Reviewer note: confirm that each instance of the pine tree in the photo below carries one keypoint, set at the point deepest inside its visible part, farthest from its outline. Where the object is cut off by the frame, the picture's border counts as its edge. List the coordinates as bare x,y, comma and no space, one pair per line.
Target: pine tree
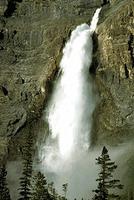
40,189
65,186
4,191
105,180
25,180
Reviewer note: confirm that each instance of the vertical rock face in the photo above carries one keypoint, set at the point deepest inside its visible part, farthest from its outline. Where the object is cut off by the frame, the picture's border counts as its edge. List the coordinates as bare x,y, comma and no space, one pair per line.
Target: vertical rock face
114,116
32,36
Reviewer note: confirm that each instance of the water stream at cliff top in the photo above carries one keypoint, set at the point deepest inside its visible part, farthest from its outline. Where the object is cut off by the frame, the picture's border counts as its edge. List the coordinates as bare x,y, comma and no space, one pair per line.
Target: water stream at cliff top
65,155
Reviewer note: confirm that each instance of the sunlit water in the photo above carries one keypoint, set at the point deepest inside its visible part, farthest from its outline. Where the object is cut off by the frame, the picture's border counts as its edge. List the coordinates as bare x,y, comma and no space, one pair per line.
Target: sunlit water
65,156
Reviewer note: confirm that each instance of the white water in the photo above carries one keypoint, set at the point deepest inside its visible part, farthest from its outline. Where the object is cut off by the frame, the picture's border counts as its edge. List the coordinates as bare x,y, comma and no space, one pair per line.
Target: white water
69,114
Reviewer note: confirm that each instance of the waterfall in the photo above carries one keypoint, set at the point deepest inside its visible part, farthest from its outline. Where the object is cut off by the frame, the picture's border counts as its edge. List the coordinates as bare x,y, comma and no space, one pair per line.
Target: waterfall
70,109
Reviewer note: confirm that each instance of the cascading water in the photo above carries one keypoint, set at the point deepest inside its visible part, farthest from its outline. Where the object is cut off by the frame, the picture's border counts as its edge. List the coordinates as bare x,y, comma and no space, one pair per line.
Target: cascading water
69,113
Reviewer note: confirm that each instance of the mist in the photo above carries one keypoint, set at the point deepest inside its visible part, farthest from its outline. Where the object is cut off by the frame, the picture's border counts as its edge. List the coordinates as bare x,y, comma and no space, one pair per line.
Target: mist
80,174
14,169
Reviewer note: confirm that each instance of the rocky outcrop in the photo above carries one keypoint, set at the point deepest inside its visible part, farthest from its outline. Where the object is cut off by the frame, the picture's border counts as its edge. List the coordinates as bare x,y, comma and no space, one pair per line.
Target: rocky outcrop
114,116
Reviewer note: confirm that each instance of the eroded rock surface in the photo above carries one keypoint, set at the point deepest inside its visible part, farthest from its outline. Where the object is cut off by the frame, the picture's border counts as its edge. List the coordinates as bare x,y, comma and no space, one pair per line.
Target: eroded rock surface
32,36
114,116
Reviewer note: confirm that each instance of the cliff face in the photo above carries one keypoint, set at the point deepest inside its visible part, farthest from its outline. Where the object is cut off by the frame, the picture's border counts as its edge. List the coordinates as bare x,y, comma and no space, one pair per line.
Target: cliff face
114,116
32,36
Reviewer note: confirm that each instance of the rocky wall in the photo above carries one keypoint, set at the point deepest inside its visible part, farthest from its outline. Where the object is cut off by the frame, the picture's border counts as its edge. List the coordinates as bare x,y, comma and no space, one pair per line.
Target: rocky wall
114,116
32,36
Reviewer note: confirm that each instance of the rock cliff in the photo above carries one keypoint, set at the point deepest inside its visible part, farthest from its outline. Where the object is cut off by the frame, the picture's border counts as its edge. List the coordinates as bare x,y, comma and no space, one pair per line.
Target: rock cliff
32,36
114,116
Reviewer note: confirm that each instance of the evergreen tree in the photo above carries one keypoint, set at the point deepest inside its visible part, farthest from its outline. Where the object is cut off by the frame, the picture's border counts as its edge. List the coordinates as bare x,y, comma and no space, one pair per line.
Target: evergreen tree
25,180
40,189
4,191
105,180
65,186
